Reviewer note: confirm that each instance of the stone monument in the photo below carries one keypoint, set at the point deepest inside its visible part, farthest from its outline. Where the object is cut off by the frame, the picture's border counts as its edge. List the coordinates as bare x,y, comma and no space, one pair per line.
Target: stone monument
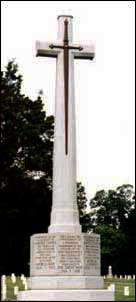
65,263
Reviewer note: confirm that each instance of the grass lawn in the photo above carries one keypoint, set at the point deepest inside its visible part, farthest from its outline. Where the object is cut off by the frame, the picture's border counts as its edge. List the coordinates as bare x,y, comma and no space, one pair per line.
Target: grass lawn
10,288
119,288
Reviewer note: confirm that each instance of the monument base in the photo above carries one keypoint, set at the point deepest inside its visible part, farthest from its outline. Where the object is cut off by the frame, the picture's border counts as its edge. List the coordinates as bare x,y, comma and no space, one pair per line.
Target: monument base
65,254
65,282
65,267
66,295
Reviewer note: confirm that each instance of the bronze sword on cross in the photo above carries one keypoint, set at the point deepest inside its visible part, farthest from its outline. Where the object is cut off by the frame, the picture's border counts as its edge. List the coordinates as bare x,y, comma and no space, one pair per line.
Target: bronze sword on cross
45,49
66,48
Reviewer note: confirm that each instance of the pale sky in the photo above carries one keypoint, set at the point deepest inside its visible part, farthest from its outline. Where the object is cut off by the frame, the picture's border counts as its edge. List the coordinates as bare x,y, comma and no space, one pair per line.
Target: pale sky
104,88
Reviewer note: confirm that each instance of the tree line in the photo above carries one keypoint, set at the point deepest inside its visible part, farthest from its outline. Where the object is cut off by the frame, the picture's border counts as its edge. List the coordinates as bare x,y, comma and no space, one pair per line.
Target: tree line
26,148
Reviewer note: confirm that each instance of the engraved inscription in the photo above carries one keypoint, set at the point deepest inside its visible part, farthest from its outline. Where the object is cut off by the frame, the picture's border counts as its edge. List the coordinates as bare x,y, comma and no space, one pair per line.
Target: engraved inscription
44,254
92,253
65,254
70,254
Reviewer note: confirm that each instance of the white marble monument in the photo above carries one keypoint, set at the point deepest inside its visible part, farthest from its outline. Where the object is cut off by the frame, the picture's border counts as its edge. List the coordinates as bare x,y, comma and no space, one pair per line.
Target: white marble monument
65,263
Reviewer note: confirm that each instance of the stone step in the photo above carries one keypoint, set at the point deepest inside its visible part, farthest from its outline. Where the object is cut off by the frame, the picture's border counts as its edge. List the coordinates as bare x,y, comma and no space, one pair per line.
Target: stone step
65,282
66,295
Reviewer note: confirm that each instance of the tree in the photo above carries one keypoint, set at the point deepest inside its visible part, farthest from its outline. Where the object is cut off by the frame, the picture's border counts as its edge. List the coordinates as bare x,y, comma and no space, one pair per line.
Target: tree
112,215
130,248
113,251
82,205
113,207
26,131
26,144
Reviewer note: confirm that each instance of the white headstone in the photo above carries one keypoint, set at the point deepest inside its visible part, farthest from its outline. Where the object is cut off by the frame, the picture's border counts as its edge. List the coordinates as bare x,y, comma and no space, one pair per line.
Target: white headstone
129,277
134,277
22,277
111,287
15,290
110,271
13,278
24,280
3,279
126,291
25,286
4,292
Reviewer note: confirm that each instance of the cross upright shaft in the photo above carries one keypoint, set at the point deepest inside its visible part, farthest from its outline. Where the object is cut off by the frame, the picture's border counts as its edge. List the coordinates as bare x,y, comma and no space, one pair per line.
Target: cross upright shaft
66,48
64,216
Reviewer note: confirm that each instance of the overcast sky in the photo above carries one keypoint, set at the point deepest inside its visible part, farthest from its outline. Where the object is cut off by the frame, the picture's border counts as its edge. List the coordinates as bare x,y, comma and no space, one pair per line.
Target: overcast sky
104,88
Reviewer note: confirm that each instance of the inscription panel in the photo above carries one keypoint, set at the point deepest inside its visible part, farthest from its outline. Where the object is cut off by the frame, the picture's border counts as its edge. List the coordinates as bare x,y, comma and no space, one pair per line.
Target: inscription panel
65,254
91,254
70,254
44,254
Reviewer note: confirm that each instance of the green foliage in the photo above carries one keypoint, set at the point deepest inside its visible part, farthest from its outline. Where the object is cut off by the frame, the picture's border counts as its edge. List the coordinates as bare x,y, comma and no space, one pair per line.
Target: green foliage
112,215
26,146
26,132
113,207
10,288
119,288
113,243
82,205
81,198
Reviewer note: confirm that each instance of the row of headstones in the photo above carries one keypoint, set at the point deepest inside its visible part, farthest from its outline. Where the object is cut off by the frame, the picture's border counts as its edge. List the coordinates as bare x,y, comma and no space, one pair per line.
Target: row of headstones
110,275
126,289
128,277
23,278
13,279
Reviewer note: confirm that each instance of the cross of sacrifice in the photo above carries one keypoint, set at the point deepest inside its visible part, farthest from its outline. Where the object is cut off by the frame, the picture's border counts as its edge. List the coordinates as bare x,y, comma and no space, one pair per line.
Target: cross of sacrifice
85,52
64,215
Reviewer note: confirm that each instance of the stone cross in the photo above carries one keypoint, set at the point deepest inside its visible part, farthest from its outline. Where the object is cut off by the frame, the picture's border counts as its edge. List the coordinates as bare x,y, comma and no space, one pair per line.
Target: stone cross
64,216
66,48
65,263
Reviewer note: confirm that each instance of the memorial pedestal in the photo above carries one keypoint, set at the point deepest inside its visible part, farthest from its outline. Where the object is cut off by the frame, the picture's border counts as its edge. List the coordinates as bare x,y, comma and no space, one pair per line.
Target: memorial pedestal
65,267
65,254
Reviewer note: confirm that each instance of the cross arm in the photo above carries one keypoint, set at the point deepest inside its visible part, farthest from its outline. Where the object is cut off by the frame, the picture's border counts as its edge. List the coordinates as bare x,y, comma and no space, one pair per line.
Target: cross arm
87,52
43,50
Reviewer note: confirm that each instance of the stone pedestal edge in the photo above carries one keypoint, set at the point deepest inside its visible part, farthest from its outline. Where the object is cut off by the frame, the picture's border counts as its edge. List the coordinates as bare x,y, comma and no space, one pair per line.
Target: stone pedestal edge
65,282
66,295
